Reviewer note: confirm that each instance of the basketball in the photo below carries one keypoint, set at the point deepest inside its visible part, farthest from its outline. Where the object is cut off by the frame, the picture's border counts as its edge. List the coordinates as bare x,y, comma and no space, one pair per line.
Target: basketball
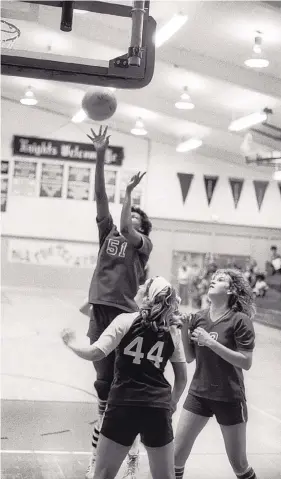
99,104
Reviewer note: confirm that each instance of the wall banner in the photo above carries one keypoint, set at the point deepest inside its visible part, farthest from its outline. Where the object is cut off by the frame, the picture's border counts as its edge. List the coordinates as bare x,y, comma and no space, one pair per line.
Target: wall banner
236,185
260,189
63,150
185,180
210,184
51,253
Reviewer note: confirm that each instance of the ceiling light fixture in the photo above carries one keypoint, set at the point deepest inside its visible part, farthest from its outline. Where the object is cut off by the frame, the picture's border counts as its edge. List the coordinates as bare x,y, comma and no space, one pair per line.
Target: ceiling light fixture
139,129
185,102
189,145
169,29
29,98
79,116
249,120
257,60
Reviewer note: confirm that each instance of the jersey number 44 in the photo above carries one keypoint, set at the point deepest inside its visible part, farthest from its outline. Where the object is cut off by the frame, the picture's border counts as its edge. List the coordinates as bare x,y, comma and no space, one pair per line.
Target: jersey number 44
134,349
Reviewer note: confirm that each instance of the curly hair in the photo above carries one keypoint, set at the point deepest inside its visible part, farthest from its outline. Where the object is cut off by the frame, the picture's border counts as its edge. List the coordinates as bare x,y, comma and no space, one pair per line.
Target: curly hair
242,297
161,313
146,224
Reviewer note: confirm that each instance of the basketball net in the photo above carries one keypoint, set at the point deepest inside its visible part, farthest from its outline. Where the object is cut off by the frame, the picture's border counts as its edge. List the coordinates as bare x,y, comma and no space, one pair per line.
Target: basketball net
9,34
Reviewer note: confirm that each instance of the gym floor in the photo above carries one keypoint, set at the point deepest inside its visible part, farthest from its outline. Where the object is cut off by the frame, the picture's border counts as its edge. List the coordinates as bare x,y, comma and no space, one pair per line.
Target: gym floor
49,406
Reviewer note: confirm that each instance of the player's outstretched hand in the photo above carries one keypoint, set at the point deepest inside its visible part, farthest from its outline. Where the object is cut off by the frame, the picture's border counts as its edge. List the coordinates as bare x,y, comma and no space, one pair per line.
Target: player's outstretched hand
135,180
100,140
68,335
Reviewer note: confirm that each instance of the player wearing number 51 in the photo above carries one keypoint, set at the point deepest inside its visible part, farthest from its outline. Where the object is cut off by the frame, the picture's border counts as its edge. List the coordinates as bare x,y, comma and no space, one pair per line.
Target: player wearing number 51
120,266
140,400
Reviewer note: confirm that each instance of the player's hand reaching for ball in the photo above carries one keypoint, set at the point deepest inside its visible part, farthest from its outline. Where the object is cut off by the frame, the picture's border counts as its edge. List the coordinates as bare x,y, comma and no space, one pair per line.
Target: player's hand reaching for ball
68,336
201,337
100,140
135,180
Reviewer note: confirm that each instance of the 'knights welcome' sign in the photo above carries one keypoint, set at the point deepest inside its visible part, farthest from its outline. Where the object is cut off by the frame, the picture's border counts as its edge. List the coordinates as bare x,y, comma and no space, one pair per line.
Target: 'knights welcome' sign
63,150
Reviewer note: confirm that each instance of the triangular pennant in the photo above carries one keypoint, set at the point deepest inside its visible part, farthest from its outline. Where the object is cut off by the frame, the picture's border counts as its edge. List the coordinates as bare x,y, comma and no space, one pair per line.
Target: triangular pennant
279,186
236,185
185,180
210,184
260,189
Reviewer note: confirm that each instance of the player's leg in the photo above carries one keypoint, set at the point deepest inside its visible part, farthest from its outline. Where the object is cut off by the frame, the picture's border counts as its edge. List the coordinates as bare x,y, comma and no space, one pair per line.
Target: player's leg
115,440
161,461
194,417
101,317
232,418
133,460
157,436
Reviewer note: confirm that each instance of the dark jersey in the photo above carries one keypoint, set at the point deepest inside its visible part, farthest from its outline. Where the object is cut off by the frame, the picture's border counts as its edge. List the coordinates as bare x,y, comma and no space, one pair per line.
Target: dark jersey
140,362
120,266
215,378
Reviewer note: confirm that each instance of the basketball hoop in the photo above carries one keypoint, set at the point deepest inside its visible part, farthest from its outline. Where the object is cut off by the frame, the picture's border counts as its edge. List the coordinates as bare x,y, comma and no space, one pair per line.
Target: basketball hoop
9,34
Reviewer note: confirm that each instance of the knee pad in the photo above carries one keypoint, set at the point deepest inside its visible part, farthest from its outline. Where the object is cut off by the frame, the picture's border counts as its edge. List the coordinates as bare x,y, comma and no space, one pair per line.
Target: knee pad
102,388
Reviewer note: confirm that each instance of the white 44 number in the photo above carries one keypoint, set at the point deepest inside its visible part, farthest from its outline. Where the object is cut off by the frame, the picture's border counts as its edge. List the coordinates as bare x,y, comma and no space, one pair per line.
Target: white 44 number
154,354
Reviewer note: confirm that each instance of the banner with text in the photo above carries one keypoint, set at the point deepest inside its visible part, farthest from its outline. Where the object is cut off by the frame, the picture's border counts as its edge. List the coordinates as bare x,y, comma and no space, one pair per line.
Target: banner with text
63,150
51,180
78,185
210,184
24,178
51,253
260,189
185,180
236,185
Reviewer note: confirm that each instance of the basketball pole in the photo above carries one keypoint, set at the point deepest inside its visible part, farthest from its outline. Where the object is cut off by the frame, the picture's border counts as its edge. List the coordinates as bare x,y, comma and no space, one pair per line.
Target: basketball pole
135,49
66,16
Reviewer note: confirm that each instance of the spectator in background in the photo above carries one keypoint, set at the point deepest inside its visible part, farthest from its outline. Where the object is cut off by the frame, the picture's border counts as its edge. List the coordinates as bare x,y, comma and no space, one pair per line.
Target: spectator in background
260,287
183,277
275,260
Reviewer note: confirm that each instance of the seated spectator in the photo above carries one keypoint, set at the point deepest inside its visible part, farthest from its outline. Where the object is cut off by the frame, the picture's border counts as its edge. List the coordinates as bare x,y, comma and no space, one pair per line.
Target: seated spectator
275,260
260,287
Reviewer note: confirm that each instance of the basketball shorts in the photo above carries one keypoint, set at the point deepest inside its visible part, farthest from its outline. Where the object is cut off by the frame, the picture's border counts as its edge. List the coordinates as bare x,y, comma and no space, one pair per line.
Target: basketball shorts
122,424
226,413
100,317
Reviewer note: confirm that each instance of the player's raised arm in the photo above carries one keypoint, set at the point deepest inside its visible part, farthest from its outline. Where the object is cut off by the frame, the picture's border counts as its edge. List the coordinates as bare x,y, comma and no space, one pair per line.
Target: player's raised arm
100,142
126,225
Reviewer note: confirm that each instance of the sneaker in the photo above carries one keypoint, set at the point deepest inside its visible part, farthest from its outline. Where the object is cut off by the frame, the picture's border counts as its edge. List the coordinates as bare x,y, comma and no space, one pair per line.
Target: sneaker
91,468
132,467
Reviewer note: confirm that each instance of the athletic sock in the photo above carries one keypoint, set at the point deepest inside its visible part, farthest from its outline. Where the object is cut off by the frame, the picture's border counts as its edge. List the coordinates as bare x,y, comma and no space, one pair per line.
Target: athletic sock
179,471
248,474
95,438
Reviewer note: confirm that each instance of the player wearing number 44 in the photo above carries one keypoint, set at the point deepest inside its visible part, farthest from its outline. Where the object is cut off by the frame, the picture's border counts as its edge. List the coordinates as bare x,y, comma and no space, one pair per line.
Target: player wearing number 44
120,266
140,399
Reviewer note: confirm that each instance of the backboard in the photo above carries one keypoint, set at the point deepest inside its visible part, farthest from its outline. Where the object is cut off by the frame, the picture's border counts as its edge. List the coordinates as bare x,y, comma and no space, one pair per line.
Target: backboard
71,41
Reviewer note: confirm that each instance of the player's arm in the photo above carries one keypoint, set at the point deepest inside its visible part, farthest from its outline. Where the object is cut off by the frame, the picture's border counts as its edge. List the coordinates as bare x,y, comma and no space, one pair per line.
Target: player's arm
188,345
179,367
100,142
244,337
180,382
107,342
126,225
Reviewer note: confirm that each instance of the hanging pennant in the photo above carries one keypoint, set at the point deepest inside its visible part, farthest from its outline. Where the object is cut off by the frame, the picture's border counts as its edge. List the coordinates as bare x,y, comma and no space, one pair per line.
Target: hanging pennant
260,189
236,185
185,180
210,184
